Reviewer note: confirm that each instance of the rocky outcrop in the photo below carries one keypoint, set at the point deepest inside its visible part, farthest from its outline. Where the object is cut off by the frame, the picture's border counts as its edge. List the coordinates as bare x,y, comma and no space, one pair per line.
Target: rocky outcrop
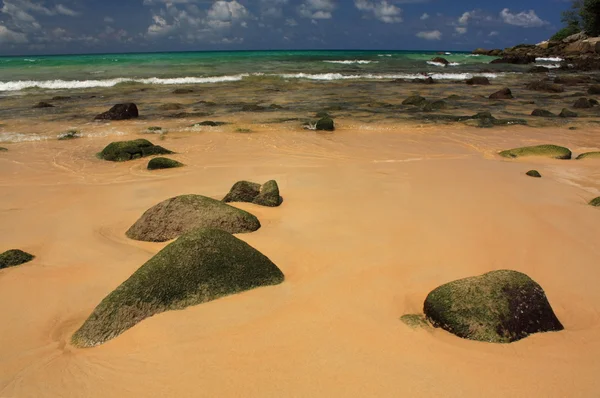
582,103
545,86
325,124
515,59
120,112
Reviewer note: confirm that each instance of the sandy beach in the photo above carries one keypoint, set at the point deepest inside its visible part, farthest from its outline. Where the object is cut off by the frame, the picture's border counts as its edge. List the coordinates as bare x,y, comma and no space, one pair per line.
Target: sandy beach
375,216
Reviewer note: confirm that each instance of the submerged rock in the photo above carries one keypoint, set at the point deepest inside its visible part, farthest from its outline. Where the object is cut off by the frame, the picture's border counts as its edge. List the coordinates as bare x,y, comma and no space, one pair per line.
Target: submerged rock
567,113
322,114
170,107
14,257
43,104
589,155
163,163
201,266
440,60
121,151
414,321
549,151
546,86
571,80
176,216
414,100
534,173
478,80
325,124
69,135
538,69
430,106
253,108
582,103
120,112
246,191
595,202
2,149
498,307
505,93
515,59
542,113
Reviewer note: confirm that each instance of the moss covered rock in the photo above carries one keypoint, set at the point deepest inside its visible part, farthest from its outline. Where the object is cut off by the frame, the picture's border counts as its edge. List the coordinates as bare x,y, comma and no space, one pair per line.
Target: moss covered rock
246,191
201,266
325,124
2,149
12,258
534,173
595,202
414,100
176,216
550,151
478,80
322,114
430,106
163,163
546,86
497,307
542,113
582,103
269,195
505,93
589,155
567,113
121,151
414,321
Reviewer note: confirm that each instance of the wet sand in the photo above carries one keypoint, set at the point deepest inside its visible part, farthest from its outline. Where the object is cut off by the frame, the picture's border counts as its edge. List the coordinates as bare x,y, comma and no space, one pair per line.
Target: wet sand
375,216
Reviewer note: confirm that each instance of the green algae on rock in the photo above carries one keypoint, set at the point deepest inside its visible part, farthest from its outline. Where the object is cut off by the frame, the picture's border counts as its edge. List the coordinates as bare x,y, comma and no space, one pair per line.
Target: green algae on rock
414,321
542,113
209,123
325,124
589,155
120,151
201,266
595,202
163,163
269,195
498,307
550,151
175,216
14,257
534,173
2,149
251,192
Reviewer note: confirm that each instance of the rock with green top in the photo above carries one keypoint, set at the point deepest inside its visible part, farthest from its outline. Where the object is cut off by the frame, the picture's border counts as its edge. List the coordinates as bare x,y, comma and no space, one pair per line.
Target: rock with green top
176,216
14,257
69,135
595,202
549,151
201,266
2,149
534,173
269,195
251,192
416,100
497,307
121,151
325,124
589,155
567,113
414,321
155,128
163,163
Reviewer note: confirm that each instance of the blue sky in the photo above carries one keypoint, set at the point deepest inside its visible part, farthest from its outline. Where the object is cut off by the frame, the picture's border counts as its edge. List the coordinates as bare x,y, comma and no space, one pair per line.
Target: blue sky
73,26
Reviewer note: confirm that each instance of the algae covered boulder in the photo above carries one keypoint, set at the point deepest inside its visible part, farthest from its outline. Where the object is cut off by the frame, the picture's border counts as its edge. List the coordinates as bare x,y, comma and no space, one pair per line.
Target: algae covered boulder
534,173
175,216
201,266
498,307
325,124
69,135
589,155
121,151
120,112
269,195
582,103
251,192
549,151
595,202
14,257
163,163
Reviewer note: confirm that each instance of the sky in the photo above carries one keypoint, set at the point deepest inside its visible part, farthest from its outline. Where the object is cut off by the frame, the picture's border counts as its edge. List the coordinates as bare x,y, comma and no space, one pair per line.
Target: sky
103,26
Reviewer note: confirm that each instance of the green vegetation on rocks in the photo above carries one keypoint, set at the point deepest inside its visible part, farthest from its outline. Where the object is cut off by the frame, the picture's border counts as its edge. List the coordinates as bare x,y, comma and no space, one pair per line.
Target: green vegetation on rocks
415,321
589,155
175,216
201,266
534,173
549,151
250,192
163,163
325,124
14,257
121,151
269,195
498,307
2,149
595,202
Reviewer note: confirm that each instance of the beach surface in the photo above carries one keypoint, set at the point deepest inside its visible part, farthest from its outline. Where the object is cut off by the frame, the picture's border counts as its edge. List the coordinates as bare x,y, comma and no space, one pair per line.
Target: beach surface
375,216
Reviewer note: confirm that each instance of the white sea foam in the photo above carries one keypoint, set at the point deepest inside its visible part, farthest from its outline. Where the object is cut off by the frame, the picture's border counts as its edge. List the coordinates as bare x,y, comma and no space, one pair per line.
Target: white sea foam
552,66
549,59
356,61
339,76
384,55
20,137
441,64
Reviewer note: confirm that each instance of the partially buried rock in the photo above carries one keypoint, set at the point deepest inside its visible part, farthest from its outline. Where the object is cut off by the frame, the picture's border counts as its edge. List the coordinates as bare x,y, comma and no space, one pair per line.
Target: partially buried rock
546,86
414,100
12,258
595,202
594,90
163,163
246,191
325,124
498,307
571,80
478,80
120,112
534,173
549,151
269,195
582,103
201,266
589,155
542,113
253,108
43,105
208,123
2,149
567,113
121,151
176,216
505,93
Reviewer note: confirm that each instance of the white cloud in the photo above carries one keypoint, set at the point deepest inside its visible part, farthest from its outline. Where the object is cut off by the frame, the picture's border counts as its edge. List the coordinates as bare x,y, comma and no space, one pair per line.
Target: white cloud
430,35
381,10
493,33
291,22
317,9
523,19
464,19
109,20
64,10
9,36
272,8
424,17
461,30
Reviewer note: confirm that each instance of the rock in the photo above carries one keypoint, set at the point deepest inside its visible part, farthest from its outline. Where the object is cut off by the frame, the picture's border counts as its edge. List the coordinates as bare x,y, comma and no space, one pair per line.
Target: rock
61,98
515,59
414,321
180,91
176,216
163,163
253,108
325,124
269,195
69,135
549,151
121,151
595,202
430,106
43,105
427,80
209,123
440,60
250,192
594,90
2,149
155,129
480,51
567,113
505,93
582,46
575,37
414,100
542,113
14,257
582,103
498,307
275,107
171,107
538,69
120,112
589,155
571,80
478,80
534,173
201,266
322,114
543,85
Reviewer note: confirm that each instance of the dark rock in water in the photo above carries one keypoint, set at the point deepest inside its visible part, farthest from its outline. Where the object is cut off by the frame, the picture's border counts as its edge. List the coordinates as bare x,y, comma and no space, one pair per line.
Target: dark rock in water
515,59
206,103
201,266
184,115
593,101
414,100
176,216
430,106
542,113
478,80
69,135
582,103
2,149
505,93
534,173
546,86
183,91
275,107
269,195
322,114
571,80
594,89
209,123
538,69
170,107
253,108
325,124
43,105
120,112
548,151
427,80
61,98
121,151
440,60
453,97
498,307
12,258
595,202
567,113
163,163
250,192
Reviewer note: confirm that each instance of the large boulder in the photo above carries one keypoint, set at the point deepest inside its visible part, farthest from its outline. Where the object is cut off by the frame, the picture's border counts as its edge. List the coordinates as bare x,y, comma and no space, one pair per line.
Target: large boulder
575,37
497,307
549,151
175,216
121,151
505,93
201,266
120,112
163,163
595,202
582,46
14,257
478,80
542,113
480,51
251,192
594,89
269,195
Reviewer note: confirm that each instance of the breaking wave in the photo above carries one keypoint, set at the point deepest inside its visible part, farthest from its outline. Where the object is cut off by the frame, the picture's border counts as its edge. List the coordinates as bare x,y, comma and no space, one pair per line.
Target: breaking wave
549,59
356,61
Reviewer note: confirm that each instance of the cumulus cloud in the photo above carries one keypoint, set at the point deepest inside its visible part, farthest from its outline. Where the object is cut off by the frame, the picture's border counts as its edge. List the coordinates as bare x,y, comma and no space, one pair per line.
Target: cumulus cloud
493,33
11,37
430,35
381,10
317,9
461,30
424,17
272,8
525,19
